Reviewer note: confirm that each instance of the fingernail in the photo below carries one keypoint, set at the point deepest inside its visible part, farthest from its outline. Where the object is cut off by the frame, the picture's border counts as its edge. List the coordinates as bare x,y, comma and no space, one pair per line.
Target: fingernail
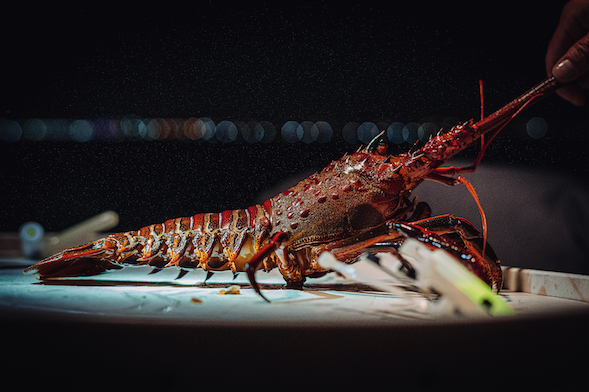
564,71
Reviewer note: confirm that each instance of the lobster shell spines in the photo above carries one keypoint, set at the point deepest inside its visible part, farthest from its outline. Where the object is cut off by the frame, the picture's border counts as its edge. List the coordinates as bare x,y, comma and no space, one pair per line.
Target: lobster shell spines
350,194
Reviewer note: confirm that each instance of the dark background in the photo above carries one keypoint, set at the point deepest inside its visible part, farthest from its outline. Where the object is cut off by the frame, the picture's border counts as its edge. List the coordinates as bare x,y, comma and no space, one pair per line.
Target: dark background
334,62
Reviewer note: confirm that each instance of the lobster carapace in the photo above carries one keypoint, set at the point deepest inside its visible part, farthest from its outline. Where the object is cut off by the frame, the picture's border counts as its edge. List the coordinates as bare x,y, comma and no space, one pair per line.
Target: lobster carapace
358,203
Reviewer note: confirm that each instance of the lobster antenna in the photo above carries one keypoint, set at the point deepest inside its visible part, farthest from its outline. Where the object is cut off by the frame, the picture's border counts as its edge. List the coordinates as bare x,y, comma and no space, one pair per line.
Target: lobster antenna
482,111
482,99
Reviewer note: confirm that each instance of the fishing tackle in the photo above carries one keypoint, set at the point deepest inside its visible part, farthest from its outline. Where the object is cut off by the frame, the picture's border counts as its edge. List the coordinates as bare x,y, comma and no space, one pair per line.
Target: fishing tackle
359,203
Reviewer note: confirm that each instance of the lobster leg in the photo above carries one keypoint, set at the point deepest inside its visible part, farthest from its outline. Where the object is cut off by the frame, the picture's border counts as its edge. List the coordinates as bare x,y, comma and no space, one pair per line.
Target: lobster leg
461,180
460,238
260,256
457,236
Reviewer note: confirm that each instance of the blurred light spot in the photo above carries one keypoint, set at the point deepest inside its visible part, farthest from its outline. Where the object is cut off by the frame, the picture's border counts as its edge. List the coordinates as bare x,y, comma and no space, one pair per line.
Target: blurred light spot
425,130
537,127
226,131
292,131
165,128
208,129
324,131
269,131
56,129
252,132
10,131
410,132
173,125
395,132
106,129
189,128
242,128
149,129
81,130
350,132
310,132
130,127
199,128
367,131
34,129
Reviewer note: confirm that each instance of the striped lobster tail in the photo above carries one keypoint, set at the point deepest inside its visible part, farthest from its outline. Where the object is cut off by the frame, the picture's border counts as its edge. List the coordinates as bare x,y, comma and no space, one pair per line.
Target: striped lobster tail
211,241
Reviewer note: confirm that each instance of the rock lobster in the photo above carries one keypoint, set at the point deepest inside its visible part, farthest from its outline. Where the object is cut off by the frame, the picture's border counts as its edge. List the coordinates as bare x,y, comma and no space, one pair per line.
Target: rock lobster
356,204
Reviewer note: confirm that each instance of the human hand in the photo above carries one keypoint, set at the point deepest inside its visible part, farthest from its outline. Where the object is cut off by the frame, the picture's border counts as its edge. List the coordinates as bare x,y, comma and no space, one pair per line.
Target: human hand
567,57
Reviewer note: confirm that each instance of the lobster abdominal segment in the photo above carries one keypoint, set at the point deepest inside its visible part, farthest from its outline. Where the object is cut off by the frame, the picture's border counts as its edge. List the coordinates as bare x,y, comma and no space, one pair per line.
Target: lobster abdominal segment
211,241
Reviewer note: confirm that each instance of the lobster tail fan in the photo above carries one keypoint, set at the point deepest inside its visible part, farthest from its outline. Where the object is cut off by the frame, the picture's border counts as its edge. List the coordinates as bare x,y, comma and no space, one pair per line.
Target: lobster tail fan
79,261
83,266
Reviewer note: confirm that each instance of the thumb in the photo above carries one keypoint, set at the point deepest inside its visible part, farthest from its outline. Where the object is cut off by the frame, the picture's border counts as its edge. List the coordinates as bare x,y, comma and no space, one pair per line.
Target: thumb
574,63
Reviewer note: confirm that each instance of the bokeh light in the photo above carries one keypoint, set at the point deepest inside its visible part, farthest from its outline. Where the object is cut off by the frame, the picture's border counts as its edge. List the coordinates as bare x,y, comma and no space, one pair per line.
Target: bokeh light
425,130
189,128
134,128
350,132
56,129
34,129
226,131
269,131
310,132
367,131
10,131
106,129
81,130
324,131
149,129
292,131
208,128
395,132
166,128
130,127
537,127
199,128
252,132
410,134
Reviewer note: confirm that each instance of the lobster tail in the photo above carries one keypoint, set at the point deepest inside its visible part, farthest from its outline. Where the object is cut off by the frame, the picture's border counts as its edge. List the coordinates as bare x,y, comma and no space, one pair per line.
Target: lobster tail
211,241
84,260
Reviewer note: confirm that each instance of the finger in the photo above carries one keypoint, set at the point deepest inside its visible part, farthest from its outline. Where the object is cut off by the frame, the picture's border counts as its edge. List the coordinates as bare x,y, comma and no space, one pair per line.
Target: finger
572,93
583,81
572,26
574,63
560,42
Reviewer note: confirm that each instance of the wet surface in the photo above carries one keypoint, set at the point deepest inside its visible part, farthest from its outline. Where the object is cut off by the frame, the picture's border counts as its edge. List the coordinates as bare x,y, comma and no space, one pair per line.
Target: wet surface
131,294
329,325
